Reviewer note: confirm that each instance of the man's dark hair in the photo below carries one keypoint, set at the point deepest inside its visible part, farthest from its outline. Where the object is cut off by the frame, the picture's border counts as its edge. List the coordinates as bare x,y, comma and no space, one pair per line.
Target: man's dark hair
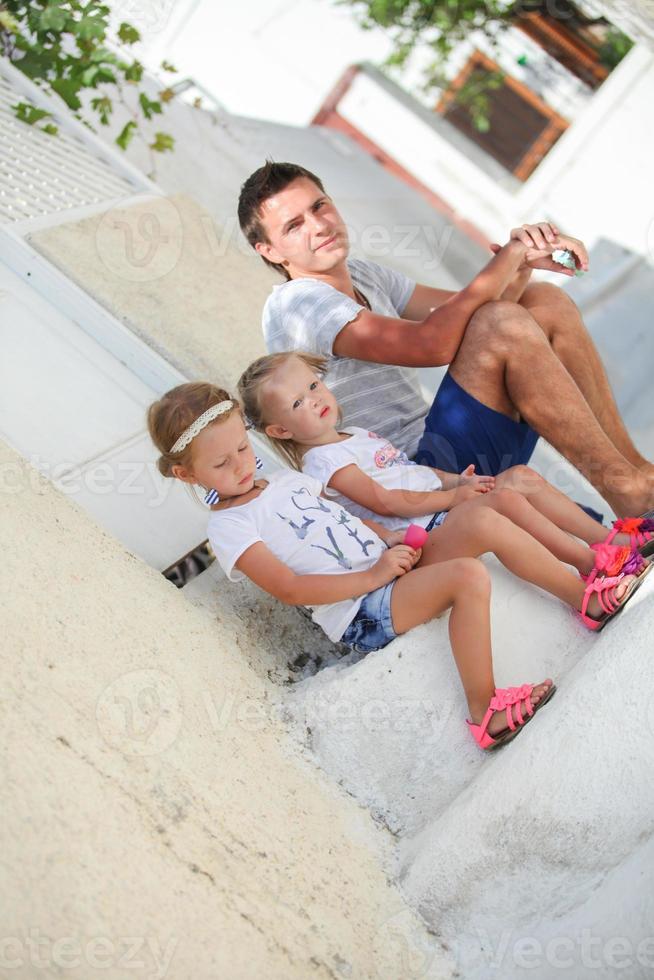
262,184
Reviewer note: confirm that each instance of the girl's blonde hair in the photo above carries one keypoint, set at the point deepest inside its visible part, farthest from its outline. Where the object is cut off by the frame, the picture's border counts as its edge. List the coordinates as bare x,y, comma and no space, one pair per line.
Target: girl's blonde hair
249,388
178,409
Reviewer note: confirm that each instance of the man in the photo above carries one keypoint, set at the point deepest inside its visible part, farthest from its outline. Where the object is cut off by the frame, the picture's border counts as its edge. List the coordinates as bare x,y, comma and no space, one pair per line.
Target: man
521,363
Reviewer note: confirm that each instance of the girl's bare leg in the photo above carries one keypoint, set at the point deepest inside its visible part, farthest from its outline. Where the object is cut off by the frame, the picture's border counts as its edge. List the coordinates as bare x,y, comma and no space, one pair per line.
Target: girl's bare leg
471,530
553,504
464,585
519,509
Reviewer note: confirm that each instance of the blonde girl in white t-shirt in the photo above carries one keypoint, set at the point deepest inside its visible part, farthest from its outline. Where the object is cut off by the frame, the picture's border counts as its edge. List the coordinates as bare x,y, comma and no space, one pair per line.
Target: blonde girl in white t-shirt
527,529
307,550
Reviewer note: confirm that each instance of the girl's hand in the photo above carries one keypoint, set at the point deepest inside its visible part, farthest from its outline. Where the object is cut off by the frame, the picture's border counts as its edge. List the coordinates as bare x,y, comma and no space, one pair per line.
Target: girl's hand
464,493
470,479
398,560
395,537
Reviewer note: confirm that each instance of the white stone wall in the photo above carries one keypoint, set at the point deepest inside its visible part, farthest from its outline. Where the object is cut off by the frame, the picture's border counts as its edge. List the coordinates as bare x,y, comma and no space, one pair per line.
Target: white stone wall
167,271
156,821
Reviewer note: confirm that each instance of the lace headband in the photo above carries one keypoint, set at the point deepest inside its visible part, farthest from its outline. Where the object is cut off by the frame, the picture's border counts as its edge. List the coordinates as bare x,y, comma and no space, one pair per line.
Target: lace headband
195,428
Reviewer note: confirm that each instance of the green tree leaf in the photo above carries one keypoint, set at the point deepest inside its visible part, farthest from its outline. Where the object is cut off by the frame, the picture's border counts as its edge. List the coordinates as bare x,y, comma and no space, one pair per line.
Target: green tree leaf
90,28
104,107
28,113
67,89
128,34
105,75
35,64
149,107
62,46
53,18
133,72
162,142
9,23
124,138
89,76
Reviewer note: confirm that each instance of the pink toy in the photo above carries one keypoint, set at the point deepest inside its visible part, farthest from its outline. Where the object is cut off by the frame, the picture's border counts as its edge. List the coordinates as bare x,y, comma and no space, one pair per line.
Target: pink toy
415,536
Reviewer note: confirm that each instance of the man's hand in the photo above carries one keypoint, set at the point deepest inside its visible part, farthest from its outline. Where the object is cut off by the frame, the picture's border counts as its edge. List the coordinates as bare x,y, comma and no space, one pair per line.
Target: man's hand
480,483
541,240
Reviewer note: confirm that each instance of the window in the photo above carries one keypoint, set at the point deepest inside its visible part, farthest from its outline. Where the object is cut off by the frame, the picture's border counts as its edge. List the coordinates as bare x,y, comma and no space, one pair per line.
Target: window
522,127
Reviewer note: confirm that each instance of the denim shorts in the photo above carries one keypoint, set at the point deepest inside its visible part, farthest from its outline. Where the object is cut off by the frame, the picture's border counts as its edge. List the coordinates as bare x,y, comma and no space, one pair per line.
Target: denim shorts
372,627
437,519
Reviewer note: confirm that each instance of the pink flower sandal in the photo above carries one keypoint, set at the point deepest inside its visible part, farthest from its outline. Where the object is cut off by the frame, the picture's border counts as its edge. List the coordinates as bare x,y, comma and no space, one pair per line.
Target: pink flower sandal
612,559
610,603
505,698
640,531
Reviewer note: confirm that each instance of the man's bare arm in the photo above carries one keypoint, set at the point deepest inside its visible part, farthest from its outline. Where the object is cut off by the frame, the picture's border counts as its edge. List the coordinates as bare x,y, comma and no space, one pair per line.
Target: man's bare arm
434,339
423,300
515,289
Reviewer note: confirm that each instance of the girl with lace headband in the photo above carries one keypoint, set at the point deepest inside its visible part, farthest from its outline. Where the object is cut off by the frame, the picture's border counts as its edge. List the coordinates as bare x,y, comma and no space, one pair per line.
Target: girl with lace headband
304,549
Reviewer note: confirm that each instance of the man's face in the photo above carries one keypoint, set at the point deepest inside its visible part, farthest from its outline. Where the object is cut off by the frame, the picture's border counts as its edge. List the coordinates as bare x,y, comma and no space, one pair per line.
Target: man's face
305,231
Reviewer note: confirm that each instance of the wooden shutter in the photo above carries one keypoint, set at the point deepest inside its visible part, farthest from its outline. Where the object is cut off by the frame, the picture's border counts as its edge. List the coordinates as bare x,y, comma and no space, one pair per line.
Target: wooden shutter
522,127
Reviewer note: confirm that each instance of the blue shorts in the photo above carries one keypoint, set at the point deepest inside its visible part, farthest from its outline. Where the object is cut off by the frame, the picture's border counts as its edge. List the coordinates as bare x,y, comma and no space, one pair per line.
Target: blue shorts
372,627
460,430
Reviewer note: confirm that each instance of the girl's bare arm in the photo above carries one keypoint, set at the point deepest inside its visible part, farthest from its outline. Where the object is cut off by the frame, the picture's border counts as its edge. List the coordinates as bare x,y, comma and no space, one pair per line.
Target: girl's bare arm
356,485
278,580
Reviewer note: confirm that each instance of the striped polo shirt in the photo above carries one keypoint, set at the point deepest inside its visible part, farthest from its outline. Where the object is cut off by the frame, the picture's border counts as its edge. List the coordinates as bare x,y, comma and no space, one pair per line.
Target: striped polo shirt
307,314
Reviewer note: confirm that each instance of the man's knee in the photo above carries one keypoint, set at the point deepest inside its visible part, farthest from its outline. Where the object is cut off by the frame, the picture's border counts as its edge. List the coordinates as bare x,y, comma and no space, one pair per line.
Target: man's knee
553,311
500,324
546,294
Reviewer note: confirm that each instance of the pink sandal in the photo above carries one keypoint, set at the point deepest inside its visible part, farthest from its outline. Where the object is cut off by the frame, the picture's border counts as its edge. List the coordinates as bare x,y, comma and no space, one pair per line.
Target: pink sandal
612,559
606,591
640,531
505,698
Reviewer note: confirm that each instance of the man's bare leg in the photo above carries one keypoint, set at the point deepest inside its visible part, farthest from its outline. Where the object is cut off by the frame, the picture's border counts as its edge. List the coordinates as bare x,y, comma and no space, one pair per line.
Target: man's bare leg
561,322
506,362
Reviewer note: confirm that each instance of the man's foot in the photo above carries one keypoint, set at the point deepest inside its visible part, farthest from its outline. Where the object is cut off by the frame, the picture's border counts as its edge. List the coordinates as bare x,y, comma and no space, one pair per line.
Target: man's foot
640,497
498,723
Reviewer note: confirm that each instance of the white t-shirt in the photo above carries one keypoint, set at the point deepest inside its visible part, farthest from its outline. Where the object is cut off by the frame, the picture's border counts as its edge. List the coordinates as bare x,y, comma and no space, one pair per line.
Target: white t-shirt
380,460
311,535
307,314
